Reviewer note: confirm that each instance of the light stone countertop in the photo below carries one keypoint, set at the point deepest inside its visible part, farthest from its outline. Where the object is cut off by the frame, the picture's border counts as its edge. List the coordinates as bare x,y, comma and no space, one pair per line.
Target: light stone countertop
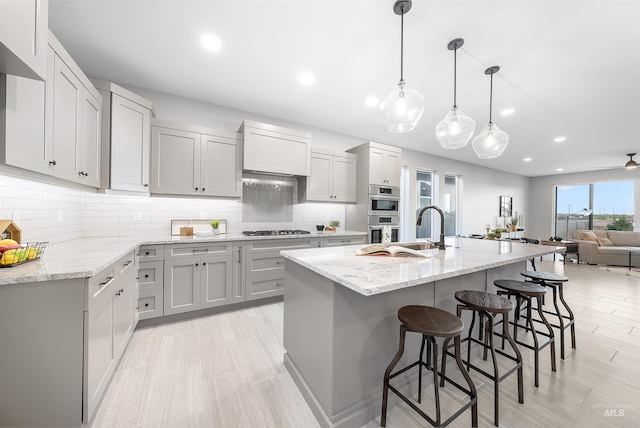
86,257
370,275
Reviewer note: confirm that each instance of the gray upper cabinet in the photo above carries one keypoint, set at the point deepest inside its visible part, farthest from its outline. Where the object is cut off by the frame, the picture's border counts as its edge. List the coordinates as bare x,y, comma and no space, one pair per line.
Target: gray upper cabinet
332,179
126,138
379,162
22,118
194,160
23,38
52,127
275,150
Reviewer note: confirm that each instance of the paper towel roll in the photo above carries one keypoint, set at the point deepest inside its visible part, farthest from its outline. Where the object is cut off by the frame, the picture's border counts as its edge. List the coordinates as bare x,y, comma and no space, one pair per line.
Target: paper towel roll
386,234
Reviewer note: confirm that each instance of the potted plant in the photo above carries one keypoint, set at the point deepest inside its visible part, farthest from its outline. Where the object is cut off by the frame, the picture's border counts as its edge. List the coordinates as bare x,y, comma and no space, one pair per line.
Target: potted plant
491,235
514,222
498,232
214,226
333,225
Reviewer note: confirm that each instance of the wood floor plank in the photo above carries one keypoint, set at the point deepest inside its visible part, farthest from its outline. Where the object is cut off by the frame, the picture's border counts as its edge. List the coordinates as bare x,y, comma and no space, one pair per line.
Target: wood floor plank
227,370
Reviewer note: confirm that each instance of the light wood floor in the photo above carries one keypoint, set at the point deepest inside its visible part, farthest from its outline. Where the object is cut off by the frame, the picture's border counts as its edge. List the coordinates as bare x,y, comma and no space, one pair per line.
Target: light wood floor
227,370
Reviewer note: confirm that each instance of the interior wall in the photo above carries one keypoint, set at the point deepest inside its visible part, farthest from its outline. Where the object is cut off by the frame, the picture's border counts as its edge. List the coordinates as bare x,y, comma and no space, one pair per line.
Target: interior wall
482,188
542,199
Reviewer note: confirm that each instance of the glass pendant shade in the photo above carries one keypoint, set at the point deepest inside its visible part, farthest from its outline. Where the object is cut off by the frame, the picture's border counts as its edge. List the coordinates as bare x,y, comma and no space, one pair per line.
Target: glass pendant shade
455,130
491,142
402,109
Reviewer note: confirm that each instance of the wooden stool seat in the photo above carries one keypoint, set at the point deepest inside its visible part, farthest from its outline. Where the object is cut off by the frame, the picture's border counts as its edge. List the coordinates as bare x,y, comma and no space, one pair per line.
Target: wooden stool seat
529,289
430,321
544,276
481,301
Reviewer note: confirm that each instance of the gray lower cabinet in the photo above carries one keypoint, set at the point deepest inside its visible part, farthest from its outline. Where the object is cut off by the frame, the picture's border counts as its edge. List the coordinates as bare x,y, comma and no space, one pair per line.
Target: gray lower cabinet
264,266
150,281
197,276
109,320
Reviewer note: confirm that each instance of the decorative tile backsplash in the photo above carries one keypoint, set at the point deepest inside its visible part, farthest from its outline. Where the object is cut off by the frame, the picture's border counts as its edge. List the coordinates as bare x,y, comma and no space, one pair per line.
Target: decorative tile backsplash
53,213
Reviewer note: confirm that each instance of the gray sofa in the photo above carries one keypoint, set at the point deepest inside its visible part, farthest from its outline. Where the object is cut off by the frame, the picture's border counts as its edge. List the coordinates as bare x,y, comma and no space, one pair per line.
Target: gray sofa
609,247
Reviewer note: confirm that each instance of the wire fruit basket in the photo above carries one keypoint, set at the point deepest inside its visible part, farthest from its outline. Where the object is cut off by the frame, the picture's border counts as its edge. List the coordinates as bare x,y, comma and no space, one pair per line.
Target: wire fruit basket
22,253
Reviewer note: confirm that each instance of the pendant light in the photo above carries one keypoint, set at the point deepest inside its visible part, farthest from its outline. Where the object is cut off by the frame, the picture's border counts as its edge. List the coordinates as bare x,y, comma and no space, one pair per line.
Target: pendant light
491,142
631,164
403,107
456,129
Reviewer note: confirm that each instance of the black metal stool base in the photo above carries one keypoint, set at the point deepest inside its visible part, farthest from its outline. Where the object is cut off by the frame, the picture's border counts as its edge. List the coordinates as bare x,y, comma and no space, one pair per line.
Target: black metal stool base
488,345
432,365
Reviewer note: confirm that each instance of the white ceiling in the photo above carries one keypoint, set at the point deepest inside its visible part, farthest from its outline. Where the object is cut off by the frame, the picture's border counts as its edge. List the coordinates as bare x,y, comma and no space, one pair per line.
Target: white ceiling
568,67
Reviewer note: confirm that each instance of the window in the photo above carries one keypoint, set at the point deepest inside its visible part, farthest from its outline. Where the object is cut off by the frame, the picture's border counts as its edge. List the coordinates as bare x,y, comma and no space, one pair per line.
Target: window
447,199
594,206
425,198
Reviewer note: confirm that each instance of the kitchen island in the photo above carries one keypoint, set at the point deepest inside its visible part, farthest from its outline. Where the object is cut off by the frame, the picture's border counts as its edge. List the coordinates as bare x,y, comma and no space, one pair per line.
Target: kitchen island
340,314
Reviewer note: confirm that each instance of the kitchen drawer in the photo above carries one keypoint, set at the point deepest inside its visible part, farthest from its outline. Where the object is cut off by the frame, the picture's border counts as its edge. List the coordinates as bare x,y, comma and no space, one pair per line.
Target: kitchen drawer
150,275
278,244
97,284
265,262
125,264
260,288
334,242
148,253
190,250
150,304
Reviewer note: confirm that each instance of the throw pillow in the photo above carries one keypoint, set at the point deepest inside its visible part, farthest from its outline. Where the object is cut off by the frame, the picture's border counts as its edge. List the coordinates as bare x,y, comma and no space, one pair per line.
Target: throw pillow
605,242
588,236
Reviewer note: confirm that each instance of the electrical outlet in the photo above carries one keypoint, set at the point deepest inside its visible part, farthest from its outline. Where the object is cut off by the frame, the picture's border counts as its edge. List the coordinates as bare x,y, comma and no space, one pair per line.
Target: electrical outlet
60,216
137,215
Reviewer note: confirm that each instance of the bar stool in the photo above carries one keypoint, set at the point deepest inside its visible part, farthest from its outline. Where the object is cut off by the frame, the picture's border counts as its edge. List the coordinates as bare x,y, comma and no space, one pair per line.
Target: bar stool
527,291
488,305
555,281
431,323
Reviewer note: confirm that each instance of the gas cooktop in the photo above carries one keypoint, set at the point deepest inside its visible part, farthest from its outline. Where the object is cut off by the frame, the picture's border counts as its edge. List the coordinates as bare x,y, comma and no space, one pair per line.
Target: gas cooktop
274,232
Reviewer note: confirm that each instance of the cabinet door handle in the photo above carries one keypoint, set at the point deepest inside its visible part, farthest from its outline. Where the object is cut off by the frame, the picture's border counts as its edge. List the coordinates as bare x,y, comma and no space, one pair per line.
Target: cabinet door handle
203,189
197,264
145,185
127,263
196,188
239,255
53,162
204,264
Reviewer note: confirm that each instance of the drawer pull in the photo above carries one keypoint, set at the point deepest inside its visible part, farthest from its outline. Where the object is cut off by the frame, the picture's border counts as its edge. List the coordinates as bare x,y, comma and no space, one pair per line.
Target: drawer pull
279,284
200,250
108,280
280,262
127,263
146,276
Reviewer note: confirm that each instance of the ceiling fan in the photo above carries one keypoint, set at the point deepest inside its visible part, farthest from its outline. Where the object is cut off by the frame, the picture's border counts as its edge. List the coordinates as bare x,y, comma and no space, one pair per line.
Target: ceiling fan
631,164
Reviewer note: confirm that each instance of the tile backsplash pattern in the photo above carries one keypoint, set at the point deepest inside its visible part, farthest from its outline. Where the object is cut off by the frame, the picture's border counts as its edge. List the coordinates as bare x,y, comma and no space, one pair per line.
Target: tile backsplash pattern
267,202
47,212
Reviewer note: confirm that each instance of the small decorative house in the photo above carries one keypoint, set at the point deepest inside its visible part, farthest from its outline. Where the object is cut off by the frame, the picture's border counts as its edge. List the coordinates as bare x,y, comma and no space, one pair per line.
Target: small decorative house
10,230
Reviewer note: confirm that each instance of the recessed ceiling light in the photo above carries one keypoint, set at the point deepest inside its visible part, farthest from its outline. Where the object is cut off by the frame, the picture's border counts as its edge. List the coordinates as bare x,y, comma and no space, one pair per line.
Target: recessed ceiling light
559,169
211,42
306,78
527,159
507,112
372,101
559,139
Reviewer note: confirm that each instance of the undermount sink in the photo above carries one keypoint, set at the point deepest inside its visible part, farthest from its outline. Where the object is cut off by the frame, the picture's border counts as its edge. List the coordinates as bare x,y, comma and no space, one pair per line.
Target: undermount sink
420,245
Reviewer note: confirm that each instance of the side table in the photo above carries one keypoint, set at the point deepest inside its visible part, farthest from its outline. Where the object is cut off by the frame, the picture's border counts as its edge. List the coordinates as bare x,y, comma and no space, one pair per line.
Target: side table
571,247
